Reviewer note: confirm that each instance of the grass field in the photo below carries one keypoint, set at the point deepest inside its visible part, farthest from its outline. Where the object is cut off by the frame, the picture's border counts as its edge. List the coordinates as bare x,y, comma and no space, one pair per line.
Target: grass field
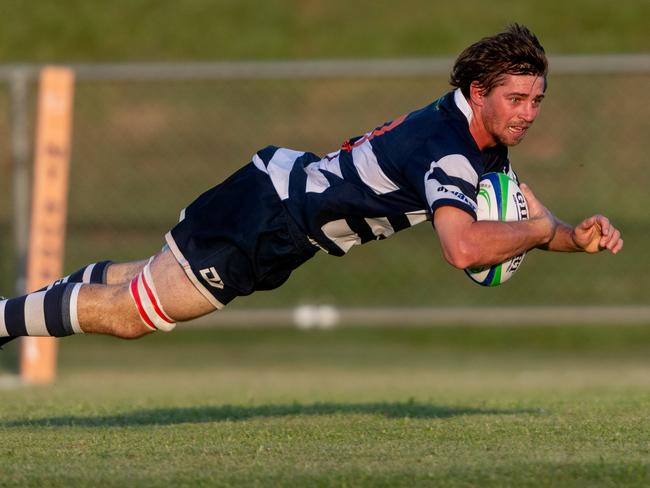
68,30
456,406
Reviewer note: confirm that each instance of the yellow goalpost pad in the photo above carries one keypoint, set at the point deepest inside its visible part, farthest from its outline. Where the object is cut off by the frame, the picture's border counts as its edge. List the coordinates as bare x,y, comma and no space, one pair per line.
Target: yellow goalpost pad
49,208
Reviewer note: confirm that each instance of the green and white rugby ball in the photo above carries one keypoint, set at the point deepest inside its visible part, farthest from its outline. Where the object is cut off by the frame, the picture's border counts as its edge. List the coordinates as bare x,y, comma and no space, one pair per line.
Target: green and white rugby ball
499,198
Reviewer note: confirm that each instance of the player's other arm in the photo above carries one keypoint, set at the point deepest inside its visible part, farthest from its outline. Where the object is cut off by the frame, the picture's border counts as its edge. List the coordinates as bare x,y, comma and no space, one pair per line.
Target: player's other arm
592,235
469,243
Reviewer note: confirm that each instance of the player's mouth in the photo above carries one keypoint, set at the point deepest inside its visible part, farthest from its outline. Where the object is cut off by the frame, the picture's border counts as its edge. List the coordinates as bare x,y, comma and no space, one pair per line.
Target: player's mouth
518,130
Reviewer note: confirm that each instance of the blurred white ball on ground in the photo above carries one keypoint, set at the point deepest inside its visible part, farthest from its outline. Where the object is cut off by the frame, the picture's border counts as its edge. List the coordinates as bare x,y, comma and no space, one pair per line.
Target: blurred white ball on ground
316,317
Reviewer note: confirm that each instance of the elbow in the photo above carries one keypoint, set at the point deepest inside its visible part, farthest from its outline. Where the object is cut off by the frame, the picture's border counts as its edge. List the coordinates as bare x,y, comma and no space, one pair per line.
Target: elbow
460,255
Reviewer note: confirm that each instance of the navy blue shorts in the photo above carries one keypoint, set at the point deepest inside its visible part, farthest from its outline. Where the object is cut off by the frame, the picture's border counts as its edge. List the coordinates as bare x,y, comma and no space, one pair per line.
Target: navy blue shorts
237,238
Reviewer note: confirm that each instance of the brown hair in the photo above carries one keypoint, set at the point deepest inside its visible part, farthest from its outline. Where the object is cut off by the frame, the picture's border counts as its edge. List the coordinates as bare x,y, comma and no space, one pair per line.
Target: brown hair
516,51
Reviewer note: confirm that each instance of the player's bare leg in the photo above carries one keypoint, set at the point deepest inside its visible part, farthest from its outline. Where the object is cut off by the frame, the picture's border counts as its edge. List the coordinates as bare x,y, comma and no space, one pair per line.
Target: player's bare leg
110,309
119,273
125,300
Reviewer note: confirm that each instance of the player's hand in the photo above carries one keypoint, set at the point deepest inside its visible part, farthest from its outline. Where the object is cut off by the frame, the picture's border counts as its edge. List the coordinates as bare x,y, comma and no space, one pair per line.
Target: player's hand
596,234
538,212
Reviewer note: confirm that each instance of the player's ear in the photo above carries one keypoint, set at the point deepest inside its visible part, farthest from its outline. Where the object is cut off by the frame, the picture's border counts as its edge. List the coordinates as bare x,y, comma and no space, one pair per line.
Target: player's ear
476,93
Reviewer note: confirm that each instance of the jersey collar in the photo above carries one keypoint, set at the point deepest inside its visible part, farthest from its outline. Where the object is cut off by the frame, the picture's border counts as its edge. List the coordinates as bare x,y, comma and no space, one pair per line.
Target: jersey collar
462,105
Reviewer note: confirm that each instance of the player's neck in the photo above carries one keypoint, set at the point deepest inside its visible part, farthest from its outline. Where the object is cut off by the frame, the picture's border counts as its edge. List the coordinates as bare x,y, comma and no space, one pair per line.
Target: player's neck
481,135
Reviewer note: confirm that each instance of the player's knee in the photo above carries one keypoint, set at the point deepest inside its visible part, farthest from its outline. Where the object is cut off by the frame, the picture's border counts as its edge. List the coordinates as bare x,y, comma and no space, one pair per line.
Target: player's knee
150,313
132,328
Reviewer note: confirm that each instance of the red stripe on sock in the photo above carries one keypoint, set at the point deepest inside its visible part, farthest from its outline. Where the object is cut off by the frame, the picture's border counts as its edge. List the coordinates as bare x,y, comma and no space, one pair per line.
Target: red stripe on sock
138,304
154,302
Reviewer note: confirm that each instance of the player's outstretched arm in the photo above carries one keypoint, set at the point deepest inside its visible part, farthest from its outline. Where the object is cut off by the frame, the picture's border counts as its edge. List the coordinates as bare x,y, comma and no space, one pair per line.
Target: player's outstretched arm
469,243
592,235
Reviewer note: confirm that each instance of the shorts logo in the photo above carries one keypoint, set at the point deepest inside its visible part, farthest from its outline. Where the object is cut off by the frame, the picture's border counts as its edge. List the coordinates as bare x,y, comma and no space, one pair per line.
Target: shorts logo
212,277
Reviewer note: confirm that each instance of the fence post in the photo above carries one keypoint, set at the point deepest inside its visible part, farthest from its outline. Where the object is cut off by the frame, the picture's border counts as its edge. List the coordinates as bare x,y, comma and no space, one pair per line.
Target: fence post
49,208
20,158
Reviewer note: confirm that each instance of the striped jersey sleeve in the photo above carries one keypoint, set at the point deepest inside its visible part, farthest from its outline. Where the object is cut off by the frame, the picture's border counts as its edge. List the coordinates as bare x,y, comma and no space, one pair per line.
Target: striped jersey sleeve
451,181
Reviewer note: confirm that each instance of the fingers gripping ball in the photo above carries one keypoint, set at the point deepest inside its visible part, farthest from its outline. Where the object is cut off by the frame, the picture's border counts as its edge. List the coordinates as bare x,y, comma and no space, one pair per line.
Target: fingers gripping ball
499,198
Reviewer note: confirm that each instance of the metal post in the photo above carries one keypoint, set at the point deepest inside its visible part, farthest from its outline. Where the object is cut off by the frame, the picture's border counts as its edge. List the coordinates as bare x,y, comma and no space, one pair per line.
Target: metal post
20,156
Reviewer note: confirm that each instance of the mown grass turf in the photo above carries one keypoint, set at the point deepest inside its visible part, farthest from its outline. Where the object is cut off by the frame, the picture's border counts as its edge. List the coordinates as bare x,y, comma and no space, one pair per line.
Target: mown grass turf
353,407
68,30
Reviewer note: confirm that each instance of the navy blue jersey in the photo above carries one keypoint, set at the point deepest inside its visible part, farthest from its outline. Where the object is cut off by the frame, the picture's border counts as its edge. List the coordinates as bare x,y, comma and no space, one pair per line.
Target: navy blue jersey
386,180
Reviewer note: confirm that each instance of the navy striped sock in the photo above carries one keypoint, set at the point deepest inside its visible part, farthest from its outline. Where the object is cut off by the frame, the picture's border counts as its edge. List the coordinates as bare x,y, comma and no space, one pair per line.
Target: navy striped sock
93,273
50,312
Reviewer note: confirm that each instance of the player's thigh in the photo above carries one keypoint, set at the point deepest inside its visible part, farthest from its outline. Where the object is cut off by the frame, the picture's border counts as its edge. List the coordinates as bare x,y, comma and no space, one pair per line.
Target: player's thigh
180,299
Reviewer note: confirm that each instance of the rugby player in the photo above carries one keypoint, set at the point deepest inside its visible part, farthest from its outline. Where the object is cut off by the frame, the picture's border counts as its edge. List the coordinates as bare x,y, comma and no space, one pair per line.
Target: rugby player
249,232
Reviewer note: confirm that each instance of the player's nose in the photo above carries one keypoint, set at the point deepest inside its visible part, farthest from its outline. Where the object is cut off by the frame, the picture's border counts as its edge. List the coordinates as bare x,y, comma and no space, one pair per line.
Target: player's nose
528,113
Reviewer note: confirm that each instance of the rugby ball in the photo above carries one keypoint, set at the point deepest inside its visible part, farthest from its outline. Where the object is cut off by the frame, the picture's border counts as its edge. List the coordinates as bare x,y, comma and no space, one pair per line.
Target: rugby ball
499,198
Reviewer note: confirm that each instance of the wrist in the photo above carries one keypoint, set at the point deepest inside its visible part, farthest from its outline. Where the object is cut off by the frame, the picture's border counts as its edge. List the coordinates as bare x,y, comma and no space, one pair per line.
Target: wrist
547,227
574,240
566,239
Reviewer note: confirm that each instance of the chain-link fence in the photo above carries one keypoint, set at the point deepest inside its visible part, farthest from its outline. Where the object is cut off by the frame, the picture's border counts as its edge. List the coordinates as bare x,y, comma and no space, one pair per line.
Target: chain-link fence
146,144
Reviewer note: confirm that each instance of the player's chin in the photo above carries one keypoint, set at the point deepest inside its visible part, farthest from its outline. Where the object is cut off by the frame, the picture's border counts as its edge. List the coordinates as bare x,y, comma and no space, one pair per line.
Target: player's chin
509,139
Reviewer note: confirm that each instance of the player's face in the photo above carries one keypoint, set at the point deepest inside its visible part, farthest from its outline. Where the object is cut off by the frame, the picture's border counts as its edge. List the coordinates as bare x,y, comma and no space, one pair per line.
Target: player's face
511,107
